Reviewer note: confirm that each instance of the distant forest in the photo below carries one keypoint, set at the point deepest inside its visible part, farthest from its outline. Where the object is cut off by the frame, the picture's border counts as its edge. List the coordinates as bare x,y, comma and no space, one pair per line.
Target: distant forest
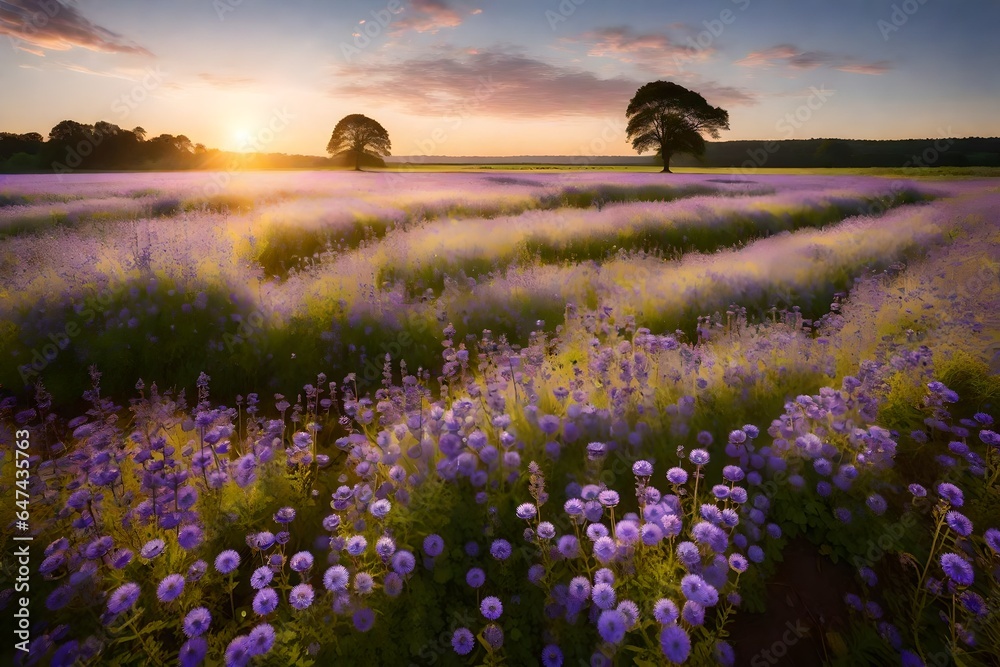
792,153
103,146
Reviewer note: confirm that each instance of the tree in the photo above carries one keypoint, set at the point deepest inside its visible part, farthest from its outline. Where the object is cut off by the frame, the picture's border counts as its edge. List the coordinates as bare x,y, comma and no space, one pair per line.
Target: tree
671,119
359,134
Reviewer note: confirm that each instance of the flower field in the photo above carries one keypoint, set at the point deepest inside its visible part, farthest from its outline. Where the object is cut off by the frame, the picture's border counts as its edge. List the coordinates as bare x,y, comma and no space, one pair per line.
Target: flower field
568,418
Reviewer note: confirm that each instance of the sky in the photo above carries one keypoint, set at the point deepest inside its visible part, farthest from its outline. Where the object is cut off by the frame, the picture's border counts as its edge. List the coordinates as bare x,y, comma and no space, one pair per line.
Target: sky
497,77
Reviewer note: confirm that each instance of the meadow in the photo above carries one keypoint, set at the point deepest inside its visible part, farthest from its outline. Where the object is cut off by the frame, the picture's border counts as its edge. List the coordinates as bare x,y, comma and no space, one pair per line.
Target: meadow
502,417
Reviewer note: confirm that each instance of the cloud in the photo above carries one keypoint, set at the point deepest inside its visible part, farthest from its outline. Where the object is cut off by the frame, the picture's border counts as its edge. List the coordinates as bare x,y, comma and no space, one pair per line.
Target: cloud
496,82
655,51
791,56
223,81
54,26
426,16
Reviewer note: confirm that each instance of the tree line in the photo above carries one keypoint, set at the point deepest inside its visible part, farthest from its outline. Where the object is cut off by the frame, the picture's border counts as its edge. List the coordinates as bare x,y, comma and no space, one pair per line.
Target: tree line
104,146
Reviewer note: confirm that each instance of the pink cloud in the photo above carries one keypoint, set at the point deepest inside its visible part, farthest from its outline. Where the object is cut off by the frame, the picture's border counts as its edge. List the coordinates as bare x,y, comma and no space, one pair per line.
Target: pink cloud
791,56
495,82
54,26
426,16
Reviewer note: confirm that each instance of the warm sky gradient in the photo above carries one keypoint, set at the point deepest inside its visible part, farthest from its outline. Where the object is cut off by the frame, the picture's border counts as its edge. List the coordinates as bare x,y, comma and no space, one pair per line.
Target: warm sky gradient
496,77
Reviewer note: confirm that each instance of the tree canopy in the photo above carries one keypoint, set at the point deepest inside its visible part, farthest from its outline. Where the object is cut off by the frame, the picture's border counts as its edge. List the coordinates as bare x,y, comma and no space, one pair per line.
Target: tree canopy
359,135
671,119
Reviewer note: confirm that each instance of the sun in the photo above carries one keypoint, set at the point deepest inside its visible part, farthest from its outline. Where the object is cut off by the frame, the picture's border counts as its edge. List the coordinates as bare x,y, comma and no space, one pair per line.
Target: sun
242,137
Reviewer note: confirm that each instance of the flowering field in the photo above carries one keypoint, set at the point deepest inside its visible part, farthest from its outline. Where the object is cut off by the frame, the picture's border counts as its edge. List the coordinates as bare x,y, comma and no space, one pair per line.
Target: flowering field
522,418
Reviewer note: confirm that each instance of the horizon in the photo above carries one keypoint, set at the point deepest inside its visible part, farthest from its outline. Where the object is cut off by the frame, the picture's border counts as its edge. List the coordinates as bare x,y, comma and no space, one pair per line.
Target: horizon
465,78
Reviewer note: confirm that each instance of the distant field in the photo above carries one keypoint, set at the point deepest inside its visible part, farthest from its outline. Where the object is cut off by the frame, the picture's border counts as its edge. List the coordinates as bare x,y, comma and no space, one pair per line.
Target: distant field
376,409
905,172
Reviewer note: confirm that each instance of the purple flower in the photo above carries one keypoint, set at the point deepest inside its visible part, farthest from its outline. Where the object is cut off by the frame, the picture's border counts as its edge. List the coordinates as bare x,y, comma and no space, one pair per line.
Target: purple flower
603,595
336,578
959,523
526,511
677,476
738,562
693,613
608,498
238,652
695,588
992,537
197,570
190,536
392,584
688,553
385,547
462,641
724,654
500,549
403,562
99,547
631,612
957,568
264,540
475,577
261,577
596,531
699,457
642,468
651,534
152,549
552,656
193,652
568,546
265,601
433,545
612,626
123,598
579,588
227,561
546,530
363,619
301,597
493,634
951,494
713,536
261,639
120,558
573,507
285,515
974,603
675,643
627,532
301,561
755,553
380,508
491,608
876,504
356,545
197,621
665,611
733,473
170,588
363,583
605,549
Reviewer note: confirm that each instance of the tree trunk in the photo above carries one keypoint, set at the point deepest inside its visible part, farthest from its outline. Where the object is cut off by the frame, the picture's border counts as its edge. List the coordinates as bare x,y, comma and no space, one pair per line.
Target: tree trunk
666,162
357,160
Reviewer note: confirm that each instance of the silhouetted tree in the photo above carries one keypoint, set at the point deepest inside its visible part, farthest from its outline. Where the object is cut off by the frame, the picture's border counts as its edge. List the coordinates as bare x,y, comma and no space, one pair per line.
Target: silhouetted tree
671,118
360,135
